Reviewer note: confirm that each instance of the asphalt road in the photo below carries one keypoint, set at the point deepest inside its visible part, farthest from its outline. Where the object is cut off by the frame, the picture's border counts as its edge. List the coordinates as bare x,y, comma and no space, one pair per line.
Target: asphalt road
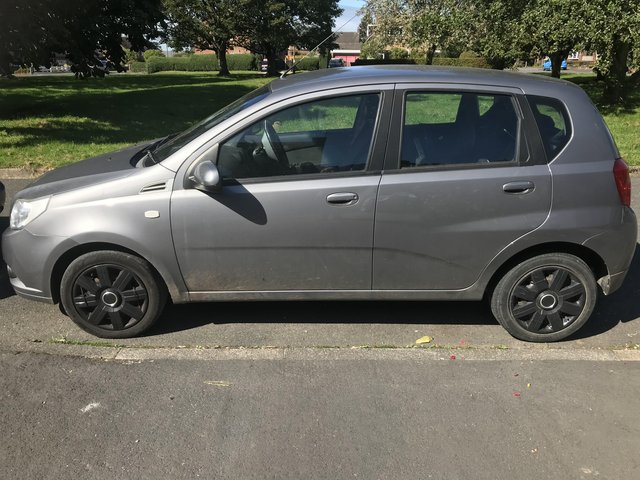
277,390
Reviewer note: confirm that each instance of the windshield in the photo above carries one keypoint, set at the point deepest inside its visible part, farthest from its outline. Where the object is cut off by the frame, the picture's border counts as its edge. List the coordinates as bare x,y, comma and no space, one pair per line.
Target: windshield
172,145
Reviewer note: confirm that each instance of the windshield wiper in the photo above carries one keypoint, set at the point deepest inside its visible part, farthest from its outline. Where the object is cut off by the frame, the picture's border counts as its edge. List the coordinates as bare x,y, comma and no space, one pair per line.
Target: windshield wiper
164,140
150,156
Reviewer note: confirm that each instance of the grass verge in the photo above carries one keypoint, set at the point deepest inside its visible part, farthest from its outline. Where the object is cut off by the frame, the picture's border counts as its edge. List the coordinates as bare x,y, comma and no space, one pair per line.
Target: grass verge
49,121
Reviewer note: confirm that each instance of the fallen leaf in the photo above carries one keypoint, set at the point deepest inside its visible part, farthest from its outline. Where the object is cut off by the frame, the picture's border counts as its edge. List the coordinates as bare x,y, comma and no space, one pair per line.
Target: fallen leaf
516,394
425,339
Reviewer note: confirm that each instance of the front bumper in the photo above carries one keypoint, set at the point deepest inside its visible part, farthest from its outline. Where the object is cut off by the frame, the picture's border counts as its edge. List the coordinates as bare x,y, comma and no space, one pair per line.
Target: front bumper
30,260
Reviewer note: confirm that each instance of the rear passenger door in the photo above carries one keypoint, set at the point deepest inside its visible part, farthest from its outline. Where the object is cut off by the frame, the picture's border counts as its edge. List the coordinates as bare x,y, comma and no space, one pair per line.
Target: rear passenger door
463,179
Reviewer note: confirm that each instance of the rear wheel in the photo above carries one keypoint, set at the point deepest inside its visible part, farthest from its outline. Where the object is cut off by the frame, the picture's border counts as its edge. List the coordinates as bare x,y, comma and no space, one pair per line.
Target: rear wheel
546,298
112,294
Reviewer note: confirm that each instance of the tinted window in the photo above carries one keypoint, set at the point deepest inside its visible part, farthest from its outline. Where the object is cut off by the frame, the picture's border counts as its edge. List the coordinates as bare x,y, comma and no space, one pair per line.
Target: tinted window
443,128
553,123
329,135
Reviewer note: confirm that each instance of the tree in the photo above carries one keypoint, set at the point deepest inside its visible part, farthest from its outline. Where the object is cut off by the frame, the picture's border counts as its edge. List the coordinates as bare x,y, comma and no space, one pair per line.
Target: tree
206,25
437,24
614,33
273,25
363,27
33,30
553,28
495,31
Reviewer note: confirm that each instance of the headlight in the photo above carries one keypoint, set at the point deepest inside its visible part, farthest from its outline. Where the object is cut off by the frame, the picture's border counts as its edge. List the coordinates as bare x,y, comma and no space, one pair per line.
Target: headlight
25,211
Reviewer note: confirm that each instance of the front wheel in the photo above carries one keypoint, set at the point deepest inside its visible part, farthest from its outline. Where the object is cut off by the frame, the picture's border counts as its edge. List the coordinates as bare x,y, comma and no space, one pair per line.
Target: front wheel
112,294
546,298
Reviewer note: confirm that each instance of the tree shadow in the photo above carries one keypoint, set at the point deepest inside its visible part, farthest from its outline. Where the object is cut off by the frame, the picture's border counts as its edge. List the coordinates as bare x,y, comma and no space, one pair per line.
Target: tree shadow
119,112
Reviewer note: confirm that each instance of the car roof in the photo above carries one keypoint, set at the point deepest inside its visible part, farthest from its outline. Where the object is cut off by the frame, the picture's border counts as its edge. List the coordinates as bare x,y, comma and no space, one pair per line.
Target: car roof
379,74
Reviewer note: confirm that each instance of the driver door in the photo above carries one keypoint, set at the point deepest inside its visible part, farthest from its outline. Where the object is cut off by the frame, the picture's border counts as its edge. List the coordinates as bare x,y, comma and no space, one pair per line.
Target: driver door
297,206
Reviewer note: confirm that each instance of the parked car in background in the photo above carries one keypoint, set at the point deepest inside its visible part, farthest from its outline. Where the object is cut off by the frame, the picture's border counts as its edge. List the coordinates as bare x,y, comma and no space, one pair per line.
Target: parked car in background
2,196
280,65
394,183
336,62
546,66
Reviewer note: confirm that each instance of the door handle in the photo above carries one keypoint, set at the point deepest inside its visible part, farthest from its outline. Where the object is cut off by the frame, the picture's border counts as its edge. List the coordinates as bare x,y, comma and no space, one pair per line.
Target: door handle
342,198
519,187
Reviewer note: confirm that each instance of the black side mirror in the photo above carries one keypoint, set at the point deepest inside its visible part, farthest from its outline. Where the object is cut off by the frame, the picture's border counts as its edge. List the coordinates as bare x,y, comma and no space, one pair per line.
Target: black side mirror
206,177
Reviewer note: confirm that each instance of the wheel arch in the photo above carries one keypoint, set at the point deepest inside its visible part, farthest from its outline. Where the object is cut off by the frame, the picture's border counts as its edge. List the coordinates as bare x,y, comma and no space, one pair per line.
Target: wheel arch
63,262
590,257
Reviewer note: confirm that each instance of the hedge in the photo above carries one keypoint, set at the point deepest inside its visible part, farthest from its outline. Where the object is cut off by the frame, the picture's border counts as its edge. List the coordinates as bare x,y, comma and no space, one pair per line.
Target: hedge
380,61
242,61
192,63
309,63
138,67
461,62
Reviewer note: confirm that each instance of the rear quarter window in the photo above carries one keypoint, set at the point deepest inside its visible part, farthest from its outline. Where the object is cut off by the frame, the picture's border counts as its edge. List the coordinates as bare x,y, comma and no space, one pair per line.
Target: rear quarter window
553,123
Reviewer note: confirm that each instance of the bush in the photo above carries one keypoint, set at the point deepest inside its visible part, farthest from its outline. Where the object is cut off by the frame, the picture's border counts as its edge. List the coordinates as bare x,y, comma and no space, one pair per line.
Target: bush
461,62
381,61
309,63
152,53
397,53
192,63
138,67
469,54
241,61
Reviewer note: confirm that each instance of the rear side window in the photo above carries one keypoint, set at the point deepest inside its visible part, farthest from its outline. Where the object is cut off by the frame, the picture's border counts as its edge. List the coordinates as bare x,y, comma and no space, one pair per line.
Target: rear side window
553,123
458,128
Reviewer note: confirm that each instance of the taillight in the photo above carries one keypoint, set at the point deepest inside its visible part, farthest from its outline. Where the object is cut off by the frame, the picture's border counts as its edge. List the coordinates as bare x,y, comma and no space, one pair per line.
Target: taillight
623,181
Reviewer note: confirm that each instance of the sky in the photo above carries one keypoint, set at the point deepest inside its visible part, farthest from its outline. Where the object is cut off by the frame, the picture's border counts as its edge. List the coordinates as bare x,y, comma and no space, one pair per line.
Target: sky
350,8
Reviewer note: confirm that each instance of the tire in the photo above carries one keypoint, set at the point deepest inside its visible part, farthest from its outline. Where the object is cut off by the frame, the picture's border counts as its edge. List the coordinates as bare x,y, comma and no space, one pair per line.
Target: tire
112,294
546,298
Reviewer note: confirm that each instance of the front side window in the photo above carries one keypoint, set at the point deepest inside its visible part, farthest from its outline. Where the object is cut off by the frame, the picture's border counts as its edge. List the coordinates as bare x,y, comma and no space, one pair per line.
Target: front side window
324,136
456,128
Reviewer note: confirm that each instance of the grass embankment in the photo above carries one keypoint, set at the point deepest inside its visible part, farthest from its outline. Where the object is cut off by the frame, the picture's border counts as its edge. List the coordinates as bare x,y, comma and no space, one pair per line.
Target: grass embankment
50,121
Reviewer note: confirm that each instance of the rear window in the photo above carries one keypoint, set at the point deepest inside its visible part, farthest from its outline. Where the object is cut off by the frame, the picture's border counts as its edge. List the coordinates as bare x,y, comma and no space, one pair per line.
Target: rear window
553,123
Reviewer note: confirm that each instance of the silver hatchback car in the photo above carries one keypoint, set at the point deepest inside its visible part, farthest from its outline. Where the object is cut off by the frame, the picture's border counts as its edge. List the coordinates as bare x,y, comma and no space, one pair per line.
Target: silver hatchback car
396,183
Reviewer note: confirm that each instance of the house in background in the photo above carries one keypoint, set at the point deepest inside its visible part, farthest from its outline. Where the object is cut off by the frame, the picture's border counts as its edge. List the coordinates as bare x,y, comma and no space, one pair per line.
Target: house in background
583,58
348,48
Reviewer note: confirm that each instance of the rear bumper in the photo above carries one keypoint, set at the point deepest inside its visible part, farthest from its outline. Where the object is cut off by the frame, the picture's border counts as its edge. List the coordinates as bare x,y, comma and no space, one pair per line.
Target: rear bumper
616,247
611,283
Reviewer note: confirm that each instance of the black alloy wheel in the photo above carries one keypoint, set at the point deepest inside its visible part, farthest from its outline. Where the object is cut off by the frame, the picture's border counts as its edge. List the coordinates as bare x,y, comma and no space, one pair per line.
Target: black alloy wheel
112,294
545,298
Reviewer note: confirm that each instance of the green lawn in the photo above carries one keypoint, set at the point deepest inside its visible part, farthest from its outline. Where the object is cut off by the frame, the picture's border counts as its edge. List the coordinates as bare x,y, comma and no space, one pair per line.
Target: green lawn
50,121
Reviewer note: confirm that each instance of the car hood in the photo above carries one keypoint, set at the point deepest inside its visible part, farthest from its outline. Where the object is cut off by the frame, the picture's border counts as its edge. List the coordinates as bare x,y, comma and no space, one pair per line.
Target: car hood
103,168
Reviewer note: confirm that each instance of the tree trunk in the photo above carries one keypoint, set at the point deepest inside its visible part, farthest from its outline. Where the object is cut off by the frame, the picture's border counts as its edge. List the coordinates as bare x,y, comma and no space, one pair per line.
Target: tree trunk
616,80
272,68
223,68
431,52
556,63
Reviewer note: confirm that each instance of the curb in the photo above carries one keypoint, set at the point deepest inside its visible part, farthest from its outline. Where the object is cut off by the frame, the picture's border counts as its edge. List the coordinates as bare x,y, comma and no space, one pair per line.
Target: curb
481,354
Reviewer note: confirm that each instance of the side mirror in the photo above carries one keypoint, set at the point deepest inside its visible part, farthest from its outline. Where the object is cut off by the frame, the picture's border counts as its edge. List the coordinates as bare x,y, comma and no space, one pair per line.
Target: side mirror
206,177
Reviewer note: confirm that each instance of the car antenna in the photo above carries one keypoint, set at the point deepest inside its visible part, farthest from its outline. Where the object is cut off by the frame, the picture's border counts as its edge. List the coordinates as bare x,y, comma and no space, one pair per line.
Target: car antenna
284,74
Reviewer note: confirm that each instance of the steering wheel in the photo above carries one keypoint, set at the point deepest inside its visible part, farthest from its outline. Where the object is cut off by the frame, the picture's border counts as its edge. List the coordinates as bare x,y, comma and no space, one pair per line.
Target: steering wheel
274,145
